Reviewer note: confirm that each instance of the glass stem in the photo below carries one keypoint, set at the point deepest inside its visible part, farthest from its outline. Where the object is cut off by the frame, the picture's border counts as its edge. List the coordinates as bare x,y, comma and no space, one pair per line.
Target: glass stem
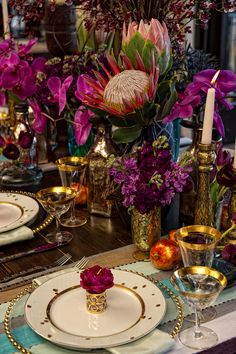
72,216
197,331
58,231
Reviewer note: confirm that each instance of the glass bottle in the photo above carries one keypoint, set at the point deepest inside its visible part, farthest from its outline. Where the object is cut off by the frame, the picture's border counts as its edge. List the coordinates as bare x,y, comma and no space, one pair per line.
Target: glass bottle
98,176
24,170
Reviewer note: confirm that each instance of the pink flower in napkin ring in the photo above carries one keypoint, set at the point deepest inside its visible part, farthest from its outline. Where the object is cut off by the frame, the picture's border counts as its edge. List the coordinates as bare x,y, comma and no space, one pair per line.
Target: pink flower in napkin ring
59,89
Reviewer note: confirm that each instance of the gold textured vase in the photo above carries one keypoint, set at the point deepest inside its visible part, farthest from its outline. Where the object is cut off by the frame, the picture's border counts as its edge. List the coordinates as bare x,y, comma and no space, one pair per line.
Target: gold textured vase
146,230
96,303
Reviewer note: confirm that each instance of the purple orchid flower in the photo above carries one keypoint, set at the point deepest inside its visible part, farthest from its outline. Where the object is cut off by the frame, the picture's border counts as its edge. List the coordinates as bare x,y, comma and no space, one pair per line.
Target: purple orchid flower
59,90
26,86
82,125
24,49
196,91
82,86
38,65
40,121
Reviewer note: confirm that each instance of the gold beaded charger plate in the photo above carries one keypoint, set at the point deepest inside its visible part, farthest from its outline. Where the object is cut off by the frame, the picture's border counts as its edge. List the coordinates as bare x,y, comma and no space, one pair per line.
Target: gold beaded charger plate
16,210
135,306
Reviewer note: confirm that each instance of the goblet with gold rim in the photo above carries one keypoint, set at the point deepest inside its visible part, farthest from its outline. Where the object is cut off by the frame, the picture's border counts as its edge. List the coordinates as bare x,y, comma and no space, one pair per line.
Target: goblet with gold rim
57,201
197,245
199,287
72,170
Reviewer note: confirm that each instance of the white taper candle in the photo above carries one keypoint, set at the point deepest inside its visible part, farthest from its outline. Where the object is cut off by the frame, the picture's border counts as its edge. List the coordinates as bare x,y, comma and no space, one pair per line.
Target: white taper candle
208,117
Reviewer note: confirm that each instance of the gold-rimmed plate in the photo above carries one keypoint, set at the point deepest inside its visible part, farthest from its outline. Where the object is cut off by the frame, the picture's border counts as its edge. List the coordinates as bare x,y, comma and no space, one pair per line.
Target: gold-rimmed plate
135,307
16,209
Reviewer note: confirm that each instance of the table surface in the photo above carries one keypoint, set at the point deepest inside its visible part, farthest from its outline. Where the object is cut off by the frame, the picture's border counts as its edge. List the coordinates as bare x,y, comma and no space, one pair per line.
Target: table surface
98,235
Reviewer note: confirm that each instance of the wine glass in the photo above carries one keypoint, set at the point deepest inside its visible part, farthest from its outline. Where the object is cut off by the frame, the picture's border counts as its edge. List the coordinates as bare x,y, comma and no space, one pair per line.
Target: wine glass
57,201
72,170
197,245
199,287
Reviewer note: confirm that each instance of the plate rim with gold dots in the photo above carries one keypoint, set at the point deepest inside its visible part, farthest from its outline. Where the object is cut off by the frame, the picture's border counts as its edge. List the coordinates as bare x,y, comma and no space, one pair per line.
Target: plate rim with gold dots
135,307
24,207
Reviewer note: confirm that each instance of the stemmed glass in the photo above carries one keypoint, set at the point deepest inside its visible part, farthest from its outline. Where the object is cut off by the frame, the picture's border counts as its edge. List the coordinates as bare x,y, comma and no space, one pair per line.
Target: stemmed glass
199,287
72,170
197,245
57,201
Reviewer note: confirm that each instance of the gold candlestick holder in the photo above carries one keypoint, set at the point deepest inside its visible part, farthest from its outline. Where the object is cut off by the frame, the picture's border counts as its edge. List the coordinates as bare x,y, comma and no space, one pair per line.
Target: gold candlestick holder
203,214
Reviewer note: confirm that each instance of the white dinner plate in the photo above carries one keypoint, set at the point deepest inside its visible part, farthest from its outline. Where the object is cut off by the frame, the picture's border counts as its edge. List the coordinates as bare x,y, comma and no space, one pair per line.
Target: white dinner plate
16,210
56,310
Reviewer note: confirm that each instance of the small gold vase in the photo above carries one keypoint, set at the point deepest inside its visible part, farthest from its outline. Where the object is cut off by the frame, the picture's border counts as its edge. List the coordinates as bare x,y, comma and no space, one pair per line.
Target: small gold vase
96,303
145,230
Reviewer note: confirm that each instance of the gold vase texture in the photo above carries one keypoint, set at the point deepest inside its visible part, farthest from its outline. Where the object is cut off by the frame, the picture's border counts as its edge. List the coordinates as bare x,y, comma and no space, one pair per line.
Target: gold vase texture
96,303
98,176
146,228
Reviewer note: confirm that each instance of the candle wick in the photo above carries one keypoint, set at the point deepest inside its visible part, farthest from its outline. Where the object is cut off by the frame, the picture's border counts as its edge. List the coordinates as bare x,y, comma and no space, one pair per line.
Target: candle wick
99,271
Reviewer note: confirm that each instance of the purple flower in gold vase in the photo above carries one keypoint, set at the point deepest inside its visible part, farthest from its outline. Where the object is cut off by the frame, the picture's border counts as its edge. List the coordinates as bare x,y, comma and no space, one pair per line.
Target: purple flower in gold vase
96,279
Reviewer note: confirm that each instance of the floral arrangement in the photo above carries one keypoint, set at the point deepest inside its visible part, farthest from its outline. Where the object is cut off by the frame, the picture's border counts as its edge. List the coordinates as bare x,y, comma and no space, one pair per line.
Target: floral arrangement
96,279
133,91
149,177
195,95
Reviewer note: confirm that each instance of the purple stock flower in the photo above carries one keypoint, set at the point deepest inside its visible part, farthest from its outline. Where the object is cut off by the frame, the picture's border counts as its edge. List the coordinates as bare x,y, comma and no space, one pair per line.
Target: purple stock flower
82,124
149,178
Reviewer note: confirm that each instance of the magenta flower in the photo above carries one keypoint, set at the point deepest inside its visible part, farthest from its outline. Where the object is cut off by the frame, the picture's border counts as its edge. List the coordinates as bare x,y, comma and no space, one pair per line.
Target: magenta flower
82,125
229,253
83,88
59,89
195,94
40,121
38,65
96,279
24,49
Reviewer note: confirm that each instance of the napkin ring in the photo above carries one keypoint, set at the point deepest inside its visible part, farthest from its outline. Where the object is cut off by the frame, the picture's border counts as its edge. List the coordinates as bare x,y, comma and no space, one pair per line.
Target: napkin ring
96,303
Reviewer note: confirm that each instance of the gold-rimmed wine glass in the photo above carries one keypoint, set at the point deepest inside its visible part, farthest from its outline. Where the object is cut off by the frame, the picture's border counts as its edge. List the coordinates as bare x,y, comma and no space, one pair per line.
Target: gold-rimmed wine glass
199,287
72,170
197,245
57,201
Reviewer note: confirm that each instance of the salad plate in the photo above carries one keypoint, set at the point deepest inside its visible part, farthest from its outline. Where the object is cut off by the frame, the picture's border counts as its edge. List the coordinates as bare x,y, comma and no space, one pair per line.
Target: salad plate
16,209
135,307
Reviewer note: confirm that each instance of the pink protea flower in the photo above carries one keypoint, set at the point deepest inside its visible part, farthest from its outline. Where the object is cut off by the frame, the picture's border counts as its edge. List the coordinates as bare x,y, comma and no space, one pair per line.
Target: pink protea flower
96,279
122,91
150,36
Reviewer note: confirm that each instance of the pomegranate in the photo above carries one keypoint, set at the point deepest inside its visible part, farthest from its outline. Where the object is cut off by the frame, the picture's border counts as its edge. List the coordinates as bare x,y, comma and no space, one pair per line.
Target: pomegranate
165,254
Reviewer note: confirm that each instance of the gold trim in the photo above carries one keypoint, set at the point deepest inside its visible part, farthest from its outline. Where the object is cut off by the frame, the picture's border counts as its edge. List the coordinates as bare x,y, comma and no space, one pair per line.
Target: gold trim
70,195
71,163
185,231
48,219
